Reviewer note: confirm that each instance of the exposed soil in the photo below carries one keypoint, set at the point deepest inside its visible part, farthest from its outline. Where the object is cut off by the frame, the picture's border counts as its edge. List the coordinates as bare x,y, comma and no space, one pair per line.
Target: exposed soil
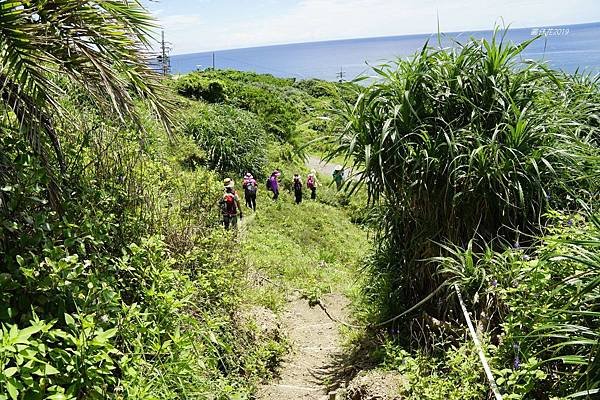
320,166
315,341
326,169
376,385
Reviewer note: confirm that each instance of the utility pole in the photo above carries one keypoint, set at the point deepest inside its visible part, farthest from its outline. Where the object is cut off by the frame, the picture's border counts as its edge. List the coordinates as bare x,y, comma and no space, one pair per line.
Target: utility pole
341,75
164,59
213,60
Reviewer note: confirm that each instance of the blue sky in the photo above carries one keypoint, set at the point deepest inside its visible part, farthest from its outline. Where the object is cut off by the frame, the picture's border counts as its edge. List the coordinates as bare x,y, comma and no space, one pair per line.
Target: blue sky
204,25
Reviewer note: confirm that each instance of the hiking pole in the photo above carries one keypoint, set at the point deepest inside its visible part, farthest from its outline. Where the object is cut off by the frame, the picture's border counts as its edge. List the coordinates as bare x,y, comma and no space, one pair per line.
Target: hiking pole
484,362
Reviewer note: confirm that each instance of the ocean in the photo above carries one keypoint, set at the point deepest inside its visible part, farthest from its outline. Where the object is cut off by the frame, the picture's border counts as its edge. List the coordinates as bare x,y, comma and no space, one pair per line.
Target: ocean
568,48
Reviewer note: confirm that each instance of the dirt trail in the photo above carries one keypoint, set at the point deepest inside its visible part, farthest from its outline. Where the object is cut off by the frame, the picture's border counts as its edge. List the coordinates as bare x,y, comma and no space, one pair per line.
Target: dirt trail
320,166
316,341
326,168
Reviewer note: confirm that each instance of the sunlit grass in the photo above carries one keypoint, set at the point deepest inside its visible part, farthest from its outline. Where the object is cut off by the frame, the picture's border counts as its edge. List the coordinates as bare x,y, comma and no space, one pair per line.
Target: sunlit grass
312,248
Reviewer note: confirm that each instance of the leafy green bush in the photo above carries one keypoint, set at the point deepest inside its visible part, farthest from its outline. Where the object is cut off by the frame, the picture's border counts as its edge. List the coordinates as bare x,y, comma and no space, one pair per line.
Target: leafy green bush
455,376
234,140
317,88
128,289
197,87
230,75
278,114
274,100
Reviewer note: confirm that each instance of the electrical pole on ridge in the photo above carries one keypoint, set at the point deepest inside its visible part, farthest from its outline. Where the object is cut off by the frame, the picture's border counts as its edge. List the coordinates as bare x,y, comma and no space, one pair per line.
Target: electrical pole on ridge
163,58
341,75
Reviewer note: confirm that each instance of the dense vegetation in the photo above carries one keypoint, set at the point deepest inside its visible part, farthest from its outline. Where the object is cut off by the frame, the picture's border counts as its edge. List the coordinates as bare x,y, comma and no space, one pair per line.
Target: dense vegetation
116,278
293,112
478,167
117,281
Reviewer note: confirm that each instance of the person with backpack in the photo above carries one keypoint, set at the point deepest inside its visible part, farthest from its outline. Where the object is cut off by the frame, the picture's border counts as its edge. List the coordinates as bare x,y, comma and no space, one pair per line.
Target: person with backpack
298,188
273,184
250,189
312,183
338,176
230,205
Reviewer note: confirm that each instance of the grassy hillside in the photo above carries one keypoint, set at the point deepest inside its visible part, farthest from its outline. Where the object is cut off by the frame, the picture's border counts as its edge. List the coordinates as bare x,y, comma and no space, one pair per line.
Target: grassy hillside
311,247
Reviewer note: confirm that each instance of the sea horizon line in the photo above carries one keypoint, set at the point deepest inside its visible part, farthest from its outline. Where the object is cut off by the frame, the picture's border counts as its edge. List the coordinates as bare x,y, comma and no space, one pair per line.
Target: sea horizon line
365,38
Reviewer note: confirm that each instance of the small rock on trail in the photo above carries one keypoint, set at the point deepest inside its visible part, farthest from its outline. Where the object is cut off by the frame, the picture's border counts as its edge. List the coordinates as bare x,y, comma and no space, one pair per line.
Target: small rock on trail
315,340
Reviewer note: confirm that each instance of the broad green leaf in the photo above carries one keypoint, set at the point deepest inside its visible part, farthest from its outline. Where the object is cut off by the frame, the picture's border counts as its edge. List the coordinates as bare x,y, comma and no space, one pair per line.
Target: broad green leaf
50,370
12,389
69,320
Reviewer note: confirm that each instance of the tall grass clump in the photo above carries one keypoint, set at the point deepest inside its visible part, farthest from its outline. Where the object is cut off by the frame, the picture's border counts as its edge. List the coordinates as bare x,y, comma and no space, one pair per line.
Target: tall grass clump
233,139
463,143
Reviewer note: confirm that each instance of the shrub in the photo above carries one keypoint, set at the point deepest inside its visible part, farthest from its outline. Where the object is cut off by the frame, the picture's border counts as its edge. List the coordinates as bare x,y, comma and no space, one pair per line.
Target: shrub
277,113
317,88
195,86
456,144
234,140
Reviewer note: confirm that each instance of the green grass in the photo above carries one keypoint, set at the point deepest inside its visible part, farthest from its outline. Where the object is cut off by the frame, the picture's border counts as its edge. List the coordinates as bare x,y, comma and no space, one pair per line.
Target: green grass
311,247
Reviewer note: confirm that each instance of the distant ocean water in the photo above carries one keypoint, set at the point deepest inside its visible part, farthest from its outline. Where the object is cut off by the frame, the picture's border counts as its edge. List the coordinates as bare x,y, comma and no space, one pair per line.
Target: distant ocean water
567,48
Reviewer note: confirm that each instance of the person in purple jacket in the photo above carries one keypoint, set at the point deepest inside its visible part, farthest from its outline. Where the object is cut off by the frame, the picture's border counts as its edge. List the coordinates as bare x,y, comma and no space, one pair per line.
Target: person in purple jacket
273,184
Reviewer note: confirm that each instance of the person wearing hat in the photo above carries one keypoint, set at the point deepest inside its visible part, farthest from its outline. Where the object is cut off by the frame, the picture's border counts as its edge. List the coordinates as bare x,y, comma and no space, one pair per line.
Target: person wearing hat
312,183
250,189
338,176
297,184
273,184
230,205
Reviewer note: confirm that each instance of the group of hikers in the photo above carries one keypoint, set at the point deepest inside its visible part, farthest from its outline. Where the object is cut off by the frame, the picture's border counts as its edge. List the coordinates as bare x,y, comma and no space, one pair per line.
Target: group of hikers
230,202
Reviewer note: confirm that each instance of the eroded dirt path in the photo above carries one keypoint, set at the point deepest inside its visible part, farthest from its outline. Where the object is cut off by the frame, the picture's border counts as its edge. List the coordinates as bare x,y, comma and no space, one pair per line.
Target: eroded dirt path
327,168
322,167
315,341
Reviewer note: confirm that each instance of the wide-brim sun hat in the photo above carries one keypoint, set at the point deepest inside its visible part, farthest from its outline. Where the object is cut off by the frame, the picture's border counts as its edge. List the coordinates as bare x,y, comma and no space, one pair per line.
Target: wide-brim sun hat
228,183
248,175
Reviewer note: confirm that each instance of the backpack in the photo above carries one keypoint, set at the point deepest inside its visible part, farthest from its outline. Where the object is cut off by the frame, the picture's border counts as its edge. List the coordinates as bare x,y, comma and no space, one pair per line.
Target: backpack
310,182
251,187
297,184
269,184
227,203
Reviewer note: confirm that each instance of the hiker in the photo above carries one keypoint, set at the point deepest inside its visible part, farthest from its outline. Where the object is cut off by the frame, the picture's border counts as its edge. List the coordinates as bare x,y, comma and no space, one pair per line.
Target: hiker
311,184
250,189
338,176
230,205
273,184
298,188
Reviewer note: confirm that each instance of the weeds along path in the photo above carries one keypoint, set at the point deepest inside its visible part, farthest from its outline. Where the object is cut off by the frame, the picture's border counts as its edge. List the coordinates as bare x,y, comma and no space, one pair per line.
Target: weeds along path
310,249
